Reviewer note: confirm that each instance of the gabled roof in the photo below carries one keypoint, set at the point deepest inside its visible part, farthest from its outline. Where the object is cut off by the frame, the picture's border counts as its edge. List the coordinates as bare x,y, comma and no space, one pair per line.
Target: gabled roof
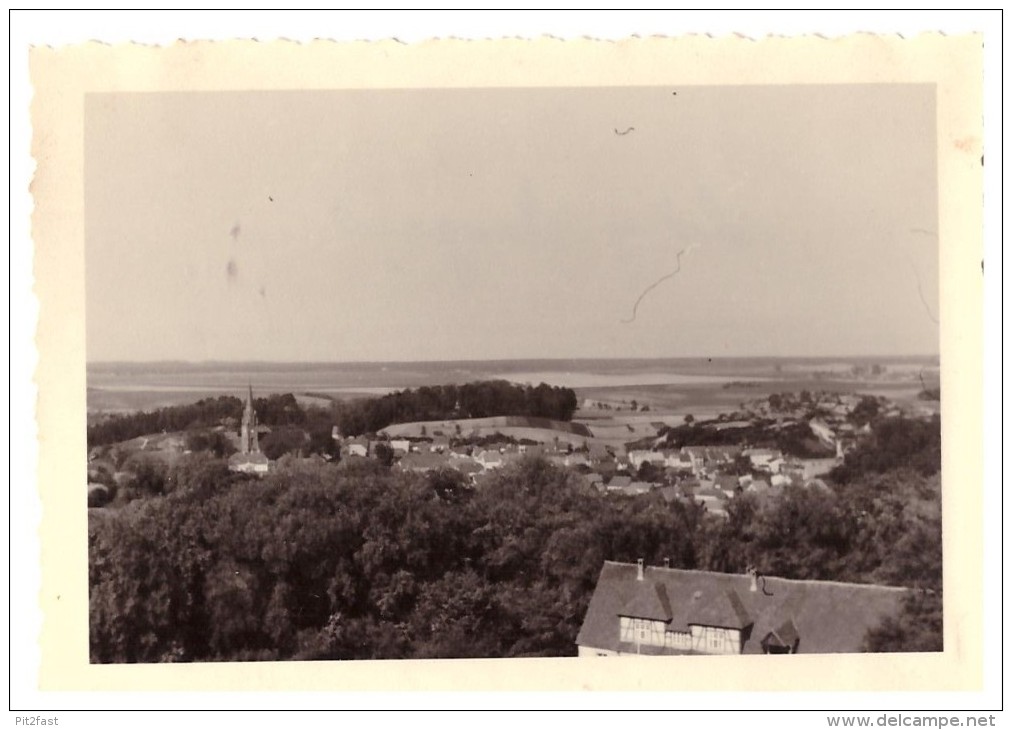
695,450
648,600
785,634
724,609
826,617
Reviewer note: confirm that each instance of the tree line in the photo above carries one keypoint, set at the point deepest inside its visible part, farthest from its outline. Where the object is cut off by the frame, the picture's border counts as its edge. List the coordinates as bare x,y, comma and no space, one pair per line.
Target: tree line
277,409
480,399
367,415
795,439
357,561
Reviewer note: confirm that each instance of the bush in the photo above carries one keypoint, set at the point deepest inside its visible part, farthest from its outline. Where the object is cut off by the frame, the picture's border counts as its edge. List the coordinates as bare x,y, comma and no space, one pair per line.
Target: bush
281,441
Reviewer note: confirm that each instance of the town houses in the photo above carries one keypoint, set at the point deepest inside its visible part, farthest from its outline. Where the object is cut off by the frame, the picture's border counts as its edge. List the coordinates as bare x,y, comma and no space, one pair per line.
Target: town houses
706,461
709,472
472,509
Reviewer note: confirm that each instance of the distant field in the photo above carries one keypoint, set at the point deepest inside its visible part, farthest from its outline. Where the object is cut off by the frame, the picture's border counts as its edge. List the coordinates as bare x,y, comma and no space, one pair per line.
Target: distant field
582,380
140,398
485,426
672,386
613,433
707,400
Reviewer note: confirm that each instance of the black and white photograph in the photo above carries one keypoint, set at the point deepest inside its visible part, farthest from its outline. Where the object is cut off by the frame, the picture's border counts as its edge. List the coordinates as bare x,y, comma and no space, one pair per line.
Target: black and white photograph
494,373
362,363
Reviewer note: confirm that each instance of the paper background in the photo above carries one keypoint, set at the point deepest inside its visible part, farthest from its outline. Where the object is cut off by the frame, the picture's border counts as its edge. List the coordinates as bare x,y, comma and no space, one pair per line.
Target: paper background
62,77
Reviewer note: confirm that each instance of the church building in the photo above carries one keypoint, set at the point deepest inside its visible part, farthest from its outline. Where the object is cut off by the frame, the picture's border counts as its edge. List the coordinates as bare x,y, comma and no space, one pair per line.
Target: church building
249,459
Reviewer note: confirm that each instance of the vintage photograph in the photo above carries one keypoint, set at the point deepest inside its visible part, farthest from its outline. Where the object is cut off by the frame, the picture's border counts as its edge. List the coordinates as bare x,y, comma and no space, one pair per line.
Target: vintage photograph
440,373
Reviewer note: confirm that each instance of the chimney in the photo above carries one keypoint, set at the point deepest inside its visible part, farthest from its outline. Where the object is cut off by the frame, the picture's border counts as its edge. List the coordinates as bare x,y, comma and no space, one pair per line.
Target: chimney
667,562
753,575
639,569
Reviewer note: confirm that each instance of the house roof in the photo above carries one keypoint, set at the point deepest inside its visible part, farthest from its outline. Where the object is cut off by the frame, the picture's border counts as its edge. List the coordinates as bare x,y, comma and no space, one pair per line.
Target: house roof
715,451
723,609
634,488
670,494
695,450
255,457
423,462
648,600
827,617
465,466
726,481
785,634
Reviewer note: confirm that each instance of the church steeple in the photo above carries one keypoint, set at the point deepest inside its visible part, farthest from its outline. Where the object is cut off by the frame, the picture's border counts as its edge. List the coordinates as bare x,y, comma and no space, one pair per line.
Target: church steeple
248,435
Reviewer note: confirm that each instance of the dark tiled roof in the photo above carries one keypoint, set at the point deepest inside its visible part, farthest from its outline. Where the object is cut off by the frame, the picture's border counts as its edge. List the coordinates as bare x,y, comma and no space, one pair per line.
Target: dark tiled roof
786,633
723,609
648,600
827,617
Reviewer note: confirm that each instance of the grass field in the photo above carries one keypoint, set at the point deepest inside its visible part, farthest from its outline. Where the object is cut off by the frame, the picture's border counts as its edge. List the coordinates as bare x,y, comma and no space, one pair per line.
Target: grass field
669,388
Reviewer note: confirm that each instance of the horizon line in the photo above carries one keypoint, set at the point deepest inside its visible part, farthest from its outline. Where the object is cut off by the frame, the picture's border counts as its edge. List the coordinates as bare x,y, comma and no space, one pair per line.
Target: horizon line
258,361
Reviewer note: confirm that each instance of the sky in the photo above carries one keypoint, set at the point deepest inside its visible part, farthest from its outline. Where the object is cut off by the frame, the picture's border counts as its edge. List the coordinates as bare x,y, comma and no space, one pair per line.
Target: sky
511,223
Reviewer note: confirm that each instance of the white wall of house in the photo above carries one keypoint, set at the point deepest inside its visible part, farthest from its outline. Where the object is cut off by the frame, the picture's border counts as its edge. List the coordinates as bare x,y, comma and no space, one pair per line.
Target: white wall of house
641,631
715,640
646,632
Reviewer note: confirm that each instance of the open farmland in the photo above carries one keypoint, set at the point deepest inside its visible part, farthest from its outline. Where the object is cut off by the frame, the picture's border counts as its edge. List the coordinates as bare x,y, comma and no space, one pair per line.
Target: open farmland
518,427
706,401
670,388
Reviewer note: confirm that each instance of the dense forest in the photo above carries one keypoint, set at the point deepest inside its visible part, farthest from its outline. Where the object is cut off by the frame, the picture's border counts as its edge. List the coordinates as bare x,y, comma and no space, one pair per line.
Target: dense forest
353,418
794,440
354,560
274,410
471,400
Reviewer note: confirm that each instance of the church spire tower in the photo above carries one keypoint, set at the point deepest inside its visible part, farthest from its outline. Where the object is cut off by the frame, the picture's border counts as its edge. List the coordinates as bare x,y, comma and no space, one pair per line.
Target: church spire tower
248,434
